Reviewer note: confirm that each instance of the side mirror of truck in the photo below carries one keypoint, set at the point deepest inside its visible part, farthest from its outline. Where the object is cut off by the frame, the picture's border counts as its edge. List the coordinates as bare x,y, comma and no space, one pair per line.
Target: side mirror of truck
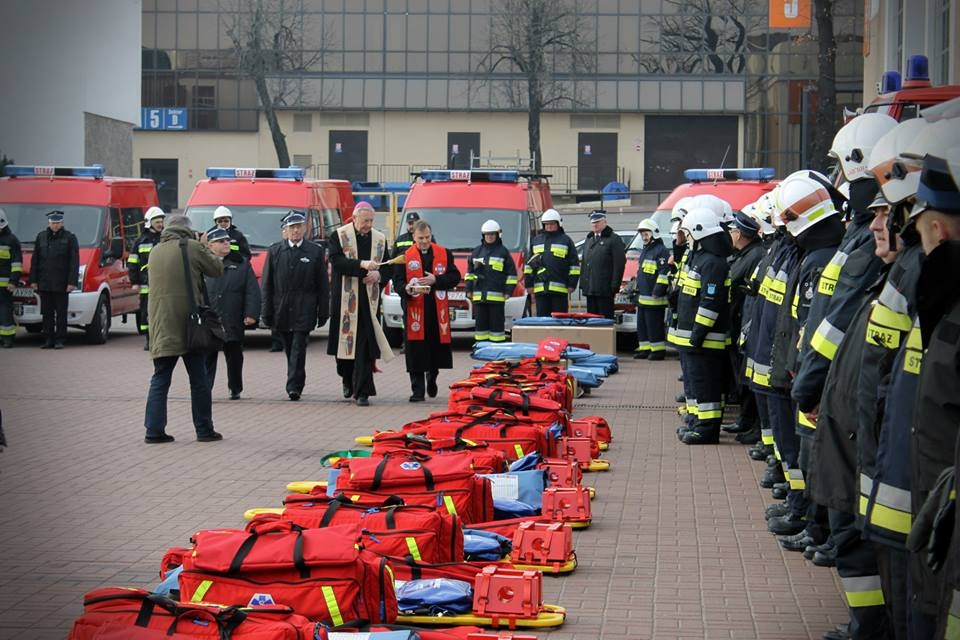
112,253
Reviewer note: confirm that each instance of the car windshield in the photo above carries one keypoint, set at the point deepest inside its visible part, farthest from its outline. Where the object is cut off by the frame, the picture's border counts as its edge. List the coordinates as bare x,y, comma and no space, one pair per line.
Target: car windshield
459,229
260,225
27,220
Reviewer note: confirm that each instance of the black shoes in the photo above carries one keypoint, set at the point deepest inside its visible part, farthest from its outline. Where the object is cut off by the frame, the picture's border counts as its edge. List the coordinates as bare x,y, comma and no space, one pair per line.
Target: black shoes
759,451
656,356
213,436
363,401
787,525
771,476
681,398
159,439
7,343
47,344
293,395
234,395
276,348
779,491
58,344
432,387
839,632
749,437
736,427
641,355
776,510
694,436
826,557
347,390
797,542
416,398
812,550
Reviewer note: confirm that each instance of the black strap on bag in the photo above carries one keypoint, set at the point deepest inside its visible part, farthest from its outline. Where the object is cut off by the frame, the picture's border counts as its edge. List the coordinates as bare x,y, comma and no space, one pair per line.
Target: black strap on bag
410,456
186,273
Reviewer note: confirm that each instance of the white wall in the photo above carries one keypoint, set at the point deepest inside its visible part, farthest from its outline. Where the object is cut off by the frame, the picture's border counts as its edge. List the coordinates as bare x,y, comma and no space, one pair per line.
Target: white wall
59,59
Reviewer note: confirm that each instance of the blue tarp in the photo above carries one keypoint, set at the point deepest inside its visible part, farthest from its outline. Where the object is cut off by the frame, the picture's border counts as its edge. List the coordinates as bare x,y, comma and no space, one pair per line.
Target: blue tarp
543,321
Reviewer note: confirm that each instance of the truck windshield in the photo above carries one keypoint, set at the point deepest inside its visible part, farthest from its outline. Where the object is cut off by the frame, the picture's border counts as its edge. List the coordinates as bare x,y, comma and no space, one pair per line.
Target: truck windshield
459,229
260,225
27,220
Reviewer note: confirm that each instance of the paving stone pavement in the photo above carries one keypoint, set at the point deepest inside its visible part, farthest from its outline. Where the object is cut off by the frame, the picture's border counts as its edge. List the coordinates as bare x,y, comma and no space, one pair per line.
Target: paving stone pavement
678,546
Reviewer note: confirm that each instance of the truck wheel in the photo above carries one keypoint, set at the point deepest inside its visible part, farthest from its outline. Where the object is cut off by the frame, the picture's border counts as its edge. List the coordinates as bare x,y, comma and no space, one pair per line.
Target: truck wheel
99,328
394,336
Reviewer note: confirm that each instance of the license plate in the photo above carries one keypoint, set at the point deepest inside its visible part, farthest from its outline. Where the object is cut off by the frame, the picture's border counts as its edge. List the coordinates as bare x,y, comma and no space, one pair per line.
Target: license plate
456,295
462,314
25,309
23,292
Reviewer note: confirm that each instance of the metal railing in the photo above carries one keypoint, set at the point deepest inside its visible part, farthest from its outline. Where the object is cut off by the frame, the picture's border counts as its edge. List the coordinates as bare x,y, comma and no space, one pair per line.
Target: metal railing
563,178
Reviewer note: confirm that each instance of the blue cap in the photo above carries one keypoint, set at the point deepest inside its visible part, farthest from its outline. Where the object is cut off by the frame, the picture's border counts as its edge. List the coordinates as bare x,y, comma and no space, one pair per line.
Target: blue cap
55,216
598,214
294,217
745,224
218,234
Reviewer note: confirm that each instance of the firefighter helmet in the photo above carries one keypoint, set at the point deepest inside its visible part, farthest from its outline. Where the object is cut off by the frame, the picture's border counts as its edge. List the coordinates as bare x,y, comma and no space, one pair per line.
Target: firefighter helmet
551,215
153,212
804,202
490,226
855,140
222,212
700,223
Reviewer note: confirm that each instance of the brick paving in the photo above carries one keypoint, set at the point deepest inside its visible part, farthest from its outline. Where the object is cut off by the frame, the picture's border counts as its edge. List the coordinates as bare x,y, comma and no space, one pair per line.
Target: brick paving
678,548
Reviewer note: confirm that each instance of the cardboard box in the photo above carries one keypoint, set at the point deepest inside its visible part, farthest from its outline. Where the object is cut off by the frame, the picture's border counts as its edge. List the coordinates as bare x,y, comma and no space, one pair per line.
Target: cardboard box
600,339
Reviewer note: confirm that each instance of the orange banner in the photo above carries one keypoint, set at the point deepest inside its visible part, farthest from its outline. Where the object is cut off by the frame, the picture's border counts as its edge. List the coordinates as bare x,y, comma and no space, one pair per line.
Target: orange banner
790,14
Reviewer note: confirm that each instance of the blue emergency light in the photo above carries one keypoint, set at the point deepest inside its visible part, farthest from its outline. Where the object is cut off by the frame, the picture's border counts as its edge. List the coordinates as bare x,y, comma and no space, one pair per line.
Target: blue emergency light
22,170
290,173
918,69
709,175
890,82
469,175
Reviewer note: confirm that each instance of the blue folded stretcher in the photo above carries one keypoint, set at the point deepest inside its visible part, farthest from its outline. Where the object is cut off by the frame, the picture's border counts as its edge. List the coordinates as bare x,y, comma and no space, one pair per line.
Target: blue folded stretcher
543,321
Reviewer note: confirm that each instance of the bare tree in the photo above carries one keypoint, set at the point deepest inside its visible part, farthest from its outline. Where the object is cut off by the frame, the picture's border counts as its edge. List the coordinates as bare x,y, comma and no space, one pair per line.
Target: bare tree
539,41
826,118
698,36
269,39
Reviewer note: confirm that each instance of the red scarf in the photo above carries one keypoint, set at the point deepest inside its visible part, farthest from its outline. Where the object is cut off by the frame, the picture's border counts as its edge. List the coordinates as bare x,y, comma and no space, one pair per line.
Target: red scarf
415,306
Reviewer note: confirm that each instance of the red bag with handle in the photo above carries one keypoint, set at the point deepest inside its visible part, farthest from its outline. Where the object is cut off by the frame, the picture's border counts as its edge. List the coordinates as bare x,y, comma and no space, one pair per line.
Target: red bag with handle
136,614
321,573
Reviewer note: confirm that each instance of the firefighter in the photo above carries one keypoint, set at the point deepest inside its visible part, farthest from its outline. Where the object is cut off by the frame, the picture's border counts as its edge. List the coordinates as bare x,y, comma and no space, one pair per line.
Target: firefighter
652,282
677,265
138,262
223,218
809,210
552,269
491,278
702,321
11,266
405,240
745,235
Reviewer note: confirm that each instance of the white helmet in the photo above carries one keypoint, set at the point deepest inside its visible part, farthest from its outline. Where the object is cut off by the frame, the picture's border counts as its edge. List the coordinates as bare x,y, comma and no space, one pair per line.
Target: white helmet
757,211
720,207
804,202
898,177
490,226
3,219
153,212
551,215
700,223
222,212
649,225
680,208
854,141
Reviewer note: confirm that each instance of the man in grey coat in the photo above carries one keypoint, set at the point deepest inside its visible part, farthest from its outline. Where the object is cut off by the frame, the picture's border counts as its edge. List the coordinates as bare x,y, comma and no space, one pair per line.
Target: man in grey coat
169,305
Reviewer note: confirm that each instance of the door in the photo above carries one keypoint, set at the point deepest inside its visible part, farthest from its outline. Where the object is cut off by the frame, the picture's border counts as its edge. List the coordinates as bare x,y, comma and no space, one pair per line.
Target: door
163,172
348,155
460,146
674,143
596,160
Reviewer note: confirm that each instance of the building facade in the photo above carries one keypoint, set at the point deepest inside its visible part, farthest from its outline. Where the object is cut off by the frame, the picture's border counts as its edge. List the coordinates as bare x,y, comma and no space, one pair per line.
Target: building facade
71,82
370,90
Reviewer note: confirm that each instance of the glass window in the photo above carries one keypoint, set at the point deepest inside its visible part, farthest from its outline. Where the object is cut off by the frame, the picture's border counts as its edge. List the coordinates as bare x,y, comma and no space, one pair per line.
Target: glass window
132,219
261,225
458,229
27,220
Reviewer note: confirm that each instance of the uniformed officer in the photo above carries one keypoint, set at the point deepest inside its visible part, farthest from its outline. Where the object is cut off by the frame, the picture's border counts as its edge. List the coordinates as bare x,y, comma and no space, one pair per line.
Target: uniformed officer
652,282
138,262
11,267
55,271
702,322
491,278
552,269
405,240
604,259
223,218
295,294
